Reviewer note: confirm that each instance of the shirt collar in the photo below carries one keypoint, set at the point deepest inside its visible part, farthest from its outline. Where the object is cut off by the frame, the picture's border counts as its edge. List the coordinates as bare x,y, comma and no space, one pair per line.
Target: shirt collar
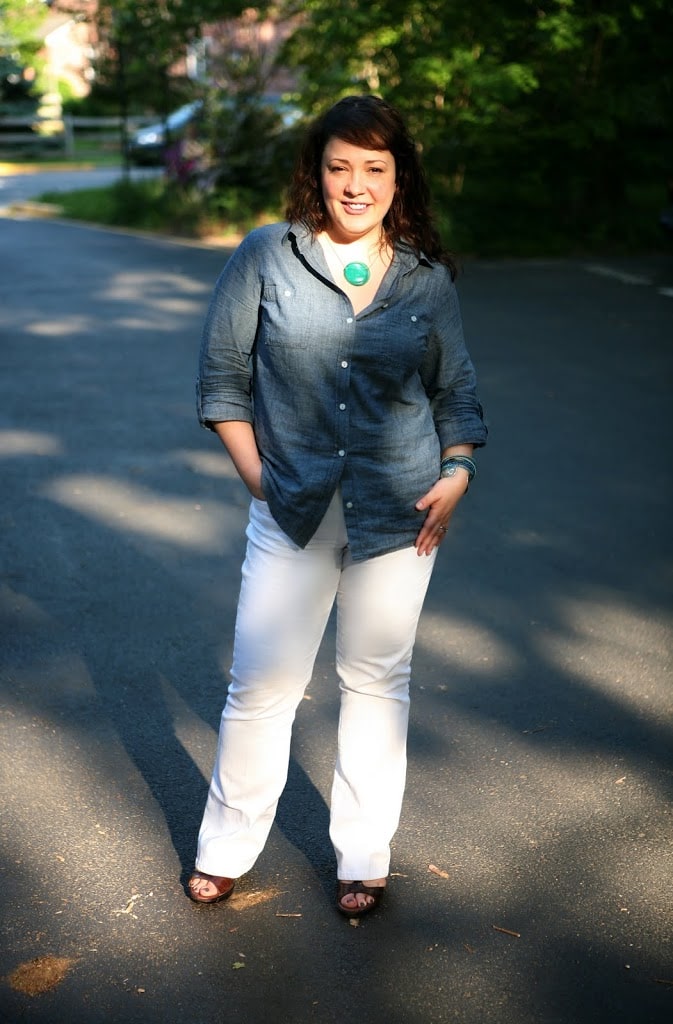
404,254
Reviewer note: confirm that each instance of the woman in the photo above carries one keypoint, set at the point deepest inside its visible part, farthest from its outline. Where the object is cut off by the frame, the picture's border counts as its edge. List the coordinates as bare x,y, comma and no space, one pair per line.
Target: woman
334,371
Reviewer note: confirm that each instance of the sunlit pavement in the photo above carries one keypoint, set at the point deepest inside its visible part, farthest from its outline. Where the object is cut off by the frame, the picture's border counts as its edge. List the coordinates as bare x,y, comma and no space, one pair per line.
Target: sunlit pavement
532,870
19,183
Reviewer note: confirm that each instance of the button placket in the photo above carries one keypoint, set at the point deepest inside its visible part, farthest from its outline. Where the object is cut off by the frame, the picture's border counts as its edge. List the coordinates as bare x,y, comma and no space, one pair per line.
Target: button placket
343,389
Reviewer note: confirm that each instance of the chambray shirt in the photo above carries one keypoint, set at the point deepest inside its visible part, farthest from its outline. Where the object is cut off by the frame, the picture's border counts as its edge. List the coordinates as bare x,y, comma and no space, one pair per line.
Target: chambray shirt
363,402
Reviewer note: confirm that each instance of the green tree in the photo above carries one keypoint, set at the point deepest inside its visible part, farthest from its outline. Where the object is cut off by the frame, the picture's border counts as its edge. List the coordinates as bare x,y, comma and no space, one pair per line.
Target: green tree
144,45
551,108
250,143
20,21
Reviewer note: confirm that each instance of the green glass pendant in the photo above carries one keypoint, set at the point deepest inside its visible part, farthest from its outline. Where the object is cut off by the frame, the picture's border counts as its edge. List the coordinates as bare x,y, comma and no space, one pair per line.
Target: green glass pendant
356,273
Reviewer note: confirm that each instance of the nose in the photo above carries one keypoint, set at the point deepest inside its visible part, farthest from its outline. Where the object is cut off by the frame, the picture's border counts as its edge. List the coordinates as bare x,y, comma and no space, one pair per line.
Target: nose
354,186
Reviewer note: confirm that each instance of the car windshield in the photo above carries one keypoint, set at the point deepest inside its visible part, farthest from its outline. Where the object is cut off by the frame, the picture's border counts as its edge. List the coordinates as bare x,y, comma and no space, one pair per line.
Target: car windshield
181,116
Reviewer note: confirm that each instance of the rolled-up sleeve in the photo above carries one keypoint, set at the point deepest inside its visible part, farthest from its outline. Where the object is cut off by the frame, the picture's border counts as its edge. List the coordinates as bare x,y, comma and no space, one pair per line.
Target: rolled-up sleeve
223,387
448,375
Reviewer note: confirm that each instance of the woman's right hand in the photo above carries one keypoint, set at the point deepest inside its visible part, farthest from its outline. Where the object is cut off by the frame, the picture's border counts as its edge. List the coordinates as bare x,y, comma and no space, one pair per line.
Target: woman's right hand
256,489
238,438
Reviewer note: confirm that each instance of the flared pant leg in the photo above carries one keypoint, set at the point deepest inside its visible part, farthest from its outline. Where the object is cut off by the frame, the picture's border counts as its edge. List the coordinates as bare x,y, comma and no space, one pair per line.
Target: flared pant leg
286,597
379,603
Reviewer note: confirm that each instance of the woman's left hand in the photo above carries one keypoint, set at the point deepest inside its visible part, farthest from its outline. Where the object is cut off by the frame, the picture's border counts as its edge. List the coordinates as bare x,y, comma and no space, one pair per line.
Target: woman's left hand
440,501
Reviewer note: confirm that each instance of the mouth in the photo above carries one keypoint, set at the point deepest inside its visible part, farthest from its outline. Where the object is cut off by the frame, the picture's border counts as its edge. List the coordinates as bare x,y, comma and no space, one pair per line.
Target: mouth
355,207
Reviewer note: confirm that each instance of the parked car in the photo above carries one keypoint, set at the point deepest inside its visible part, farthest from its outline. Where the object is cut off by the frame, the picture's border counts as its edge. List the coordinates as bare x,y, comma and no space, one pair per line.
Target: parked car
148,145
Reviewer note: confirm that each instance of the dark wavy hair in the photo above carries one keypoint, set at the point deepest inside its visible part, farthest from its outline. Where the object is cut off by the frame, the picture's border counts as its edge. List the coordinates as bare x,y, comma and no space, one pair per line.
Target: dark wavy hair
371,123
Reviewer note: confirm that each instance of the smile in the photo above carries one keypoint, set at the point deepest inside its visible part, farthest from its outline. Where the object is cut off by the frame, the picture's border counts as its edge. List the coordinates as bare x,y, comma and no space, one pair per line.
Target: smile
355,207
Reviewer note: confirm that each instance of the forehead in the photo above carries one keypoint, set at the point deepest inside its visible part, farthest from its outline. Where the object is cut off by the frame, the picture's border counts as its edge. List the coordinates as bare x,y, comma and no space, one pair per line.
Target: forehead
336,148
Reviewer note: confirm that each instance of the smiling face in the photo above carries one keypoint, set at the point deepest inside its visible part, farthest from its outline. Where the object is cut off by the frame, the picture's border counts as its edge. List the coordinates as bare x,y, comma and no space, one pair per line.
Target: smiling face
358,187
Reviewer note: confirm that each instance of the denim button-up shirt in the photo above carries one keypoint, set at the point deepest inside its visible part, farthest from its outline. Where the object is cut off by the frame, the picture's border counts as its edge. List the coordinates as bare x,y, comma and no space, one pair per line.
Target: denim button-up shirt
363,402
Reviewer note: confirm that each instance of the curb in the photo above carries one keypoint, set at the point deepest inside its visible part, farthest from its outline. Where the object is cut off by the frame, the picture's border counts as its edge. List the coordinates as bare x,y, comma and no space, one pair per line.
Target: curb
31,208
8,168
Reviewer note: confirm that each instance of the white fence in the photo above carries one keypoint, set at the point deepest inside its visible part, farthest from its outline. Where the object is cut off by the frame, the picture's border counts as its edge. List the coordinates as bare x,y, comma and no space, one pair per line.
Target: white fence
59,133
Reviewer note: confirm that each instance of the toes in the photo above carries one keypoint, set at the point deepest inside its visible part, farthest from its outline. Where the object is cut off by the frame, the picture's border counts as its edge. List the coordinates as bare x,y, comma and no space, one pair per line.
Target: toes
355,901
201,886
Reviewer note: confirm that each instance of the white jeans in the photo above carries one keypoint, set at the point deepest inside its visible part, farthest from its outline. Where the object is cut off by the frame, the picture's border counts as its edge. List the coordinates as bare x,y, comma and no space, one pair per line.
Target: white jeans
286,597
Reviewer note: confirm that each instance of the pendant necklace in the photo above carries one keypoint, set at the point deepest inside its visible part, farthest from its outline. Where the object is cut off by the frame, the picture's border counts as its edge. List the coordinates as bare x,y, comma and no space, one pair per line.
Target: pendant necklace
356,273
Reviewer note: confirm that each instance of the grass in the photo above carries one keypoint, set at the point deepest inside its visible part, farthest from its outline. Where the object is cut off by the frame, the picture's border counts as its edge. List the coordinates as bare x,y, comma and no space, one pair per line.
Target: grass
48,156
156,205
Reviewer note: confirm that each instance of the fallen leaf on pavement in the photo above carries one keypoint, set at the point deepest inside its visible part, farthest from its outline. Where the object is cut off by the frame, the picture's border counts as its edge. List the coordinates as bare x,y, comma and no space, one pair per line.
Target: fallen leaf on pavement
40,975
244,900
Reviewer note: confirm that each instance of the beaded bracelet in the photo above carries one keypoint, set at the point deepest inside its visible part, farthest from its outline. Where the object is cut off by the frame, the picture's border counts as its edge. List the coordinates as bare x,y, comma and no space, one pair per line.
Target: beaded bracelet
451,463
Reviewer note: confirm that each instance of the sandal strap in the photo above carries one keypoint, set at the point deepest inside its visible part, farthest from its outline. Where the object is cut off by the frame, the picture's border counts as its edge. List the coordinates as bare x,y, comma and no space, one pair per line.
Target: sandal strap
352,888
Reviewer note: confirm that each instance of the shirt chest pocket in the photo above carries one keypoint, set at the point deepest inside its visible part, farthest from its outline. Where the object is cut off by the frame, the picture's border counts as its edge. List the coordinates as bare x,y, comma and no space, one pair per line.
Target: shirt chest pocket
281,321
398,336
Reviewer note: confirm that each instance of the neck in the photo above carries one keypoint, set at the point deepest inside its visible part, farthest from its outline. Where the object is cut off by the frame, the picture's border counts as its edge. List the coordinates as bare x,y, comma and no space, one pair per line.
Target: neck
367,248
372,241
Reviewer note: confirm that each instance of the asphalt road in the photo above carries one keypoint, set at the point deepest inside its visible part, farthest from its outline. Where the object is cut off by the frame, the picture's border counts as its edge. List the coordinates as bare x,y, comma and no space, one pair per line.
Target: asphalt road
532,870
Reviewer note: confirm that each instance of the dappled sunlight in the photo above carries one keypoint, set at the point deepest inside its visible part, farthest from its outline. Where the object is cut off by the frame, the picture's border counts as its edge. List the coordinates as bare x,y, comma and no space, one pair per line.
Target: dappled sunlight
63,783
55,680
18,611
161,297
196,737
129,508
555,798
464,644
28,442
165,291
207,463
618,650
63,327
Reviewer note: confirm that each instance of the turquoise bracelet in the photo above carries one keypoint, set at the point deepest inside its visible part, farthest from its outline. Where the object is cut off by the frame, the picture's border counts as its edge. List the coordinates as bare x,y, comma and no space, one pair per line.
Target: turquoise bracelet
451,463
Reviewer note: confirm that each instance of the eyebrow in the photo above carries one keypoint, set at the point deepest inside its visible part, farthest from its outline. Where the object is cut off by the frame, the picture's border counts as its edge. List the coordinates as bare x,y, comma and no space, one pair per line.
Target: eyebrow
375,160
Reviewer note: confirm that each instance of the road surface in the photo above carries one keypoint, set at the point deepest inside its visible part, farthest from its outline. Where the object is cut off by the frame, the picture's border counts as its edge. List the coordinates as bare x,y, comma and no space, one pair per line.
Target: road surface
532,870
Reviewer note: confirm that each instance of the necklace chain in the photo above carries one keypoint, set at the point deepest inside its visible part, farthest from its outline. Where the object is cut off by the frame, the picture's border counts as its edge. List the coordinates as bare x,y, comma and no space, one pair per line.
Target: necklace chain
356,273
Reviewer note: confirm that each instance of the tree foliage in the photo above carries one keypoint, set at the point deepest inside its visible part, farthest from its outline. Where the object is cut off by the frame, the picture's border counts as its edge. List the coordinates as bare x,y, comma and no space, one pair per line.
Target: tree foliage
144,44
20,21
551,107
247,126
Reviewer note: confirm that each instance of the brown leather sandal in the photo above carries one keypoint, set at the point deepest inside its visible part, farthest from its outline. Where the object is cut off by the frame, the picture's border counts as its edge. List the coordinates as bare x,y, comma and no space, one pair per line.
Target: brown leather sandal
223,887
346,888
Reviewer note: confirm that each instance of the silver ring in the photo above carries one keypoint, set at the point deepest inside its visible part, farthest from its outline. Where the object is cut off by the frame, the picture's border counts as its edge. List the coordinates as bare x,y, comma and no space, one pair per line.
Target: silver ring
442,529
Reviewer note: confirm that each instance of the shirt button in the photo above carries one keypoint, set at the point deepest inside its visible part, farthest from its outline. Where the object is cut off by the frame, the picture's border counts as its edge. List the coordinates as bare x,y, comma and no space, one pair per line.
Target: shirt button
342,406
349,320
414,319
344,363
287,292
341,453
349,504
